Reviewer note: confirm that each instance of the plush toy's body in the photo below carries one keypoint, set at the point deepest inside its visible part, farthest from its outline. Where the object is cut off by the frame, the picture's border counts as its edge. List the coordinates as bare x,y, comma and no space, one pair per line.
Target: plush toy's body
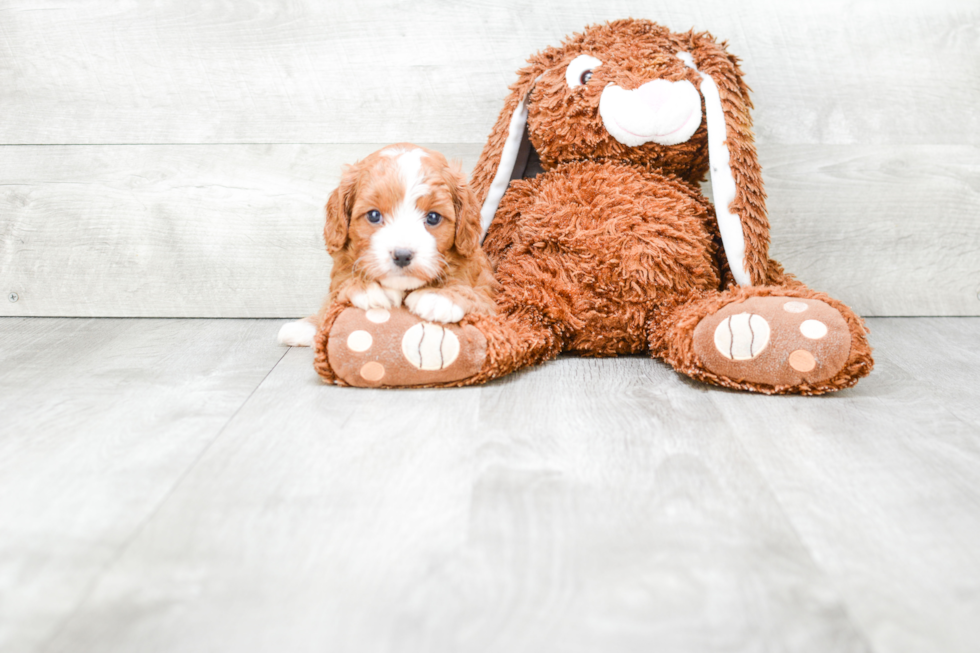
603,243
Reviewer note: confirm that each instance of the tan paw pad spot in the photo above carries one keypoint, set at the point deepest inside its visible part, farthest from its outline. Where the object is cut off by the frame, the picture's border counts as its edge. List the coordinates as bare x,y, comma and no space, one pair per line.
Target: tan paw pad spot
802,360
813,329
429,346
373,372
377,315
742,337
359,341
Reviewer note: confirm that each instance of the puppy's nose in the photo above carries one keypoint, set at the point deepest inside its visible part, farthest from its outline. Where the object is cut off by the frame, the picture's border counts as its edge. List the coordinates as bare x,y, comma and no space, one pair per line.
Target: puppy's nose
402,257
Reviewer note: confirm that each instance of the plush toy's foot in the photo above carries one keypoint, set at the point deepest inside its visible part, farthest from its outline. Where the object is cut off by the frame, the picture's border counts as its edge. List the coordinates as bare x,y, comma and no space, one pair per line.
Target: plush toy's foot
394,348
776,341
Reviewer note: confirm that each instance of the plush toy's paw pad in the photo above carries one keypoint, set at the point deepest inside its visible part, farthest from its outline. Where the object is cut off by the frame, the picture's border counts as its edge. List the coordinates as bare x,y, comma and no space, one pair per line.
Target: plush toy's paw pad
774,340
394,348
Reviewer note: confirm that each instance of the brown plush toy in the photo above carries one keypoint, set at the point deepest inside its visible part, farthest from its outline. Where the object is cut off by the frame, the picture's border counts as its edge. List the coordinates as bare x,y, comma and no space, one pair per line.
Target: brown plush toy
603,243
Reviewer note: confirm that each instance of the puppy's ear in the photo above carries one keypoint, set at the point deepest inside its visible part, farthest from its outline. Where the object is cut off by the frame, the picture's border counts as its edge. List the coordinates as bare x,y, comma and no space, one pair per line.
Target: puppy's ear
736,178
339,208
495,168
467,240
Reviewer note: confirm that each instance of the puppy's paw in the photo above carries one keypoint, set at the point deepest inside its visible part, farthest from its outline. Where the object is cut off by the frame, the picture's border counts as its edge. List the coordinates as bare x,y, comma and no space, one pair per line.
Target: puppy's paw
395,296
434,307
374,296
297,334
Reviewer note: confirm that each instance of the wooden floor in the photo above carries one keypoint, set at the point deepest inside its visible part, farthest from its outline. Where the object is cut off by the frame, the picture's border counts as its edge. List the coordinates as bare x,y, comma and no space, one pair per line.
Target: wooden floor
189,485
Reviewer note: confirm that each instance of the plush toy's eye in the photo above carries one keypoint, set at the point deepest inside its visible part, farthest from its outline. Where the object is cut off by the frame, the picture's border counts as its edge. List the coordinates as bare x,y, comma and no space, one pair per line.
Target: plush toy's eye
580,70
433,219
373,216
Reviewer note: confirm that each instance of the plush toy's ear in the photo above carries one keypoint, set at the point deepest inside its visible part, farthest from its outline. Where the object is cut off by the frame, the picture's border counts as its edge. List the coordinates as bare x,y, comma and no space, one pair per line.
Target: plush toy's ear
467,239
339,208
507,150
736,179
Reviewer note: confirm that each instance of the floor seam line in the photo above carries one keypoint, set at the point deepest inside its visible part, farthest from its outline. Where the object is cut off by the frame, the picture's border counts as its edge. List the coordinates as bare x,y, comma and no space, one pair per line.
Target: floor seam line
156,509
842,602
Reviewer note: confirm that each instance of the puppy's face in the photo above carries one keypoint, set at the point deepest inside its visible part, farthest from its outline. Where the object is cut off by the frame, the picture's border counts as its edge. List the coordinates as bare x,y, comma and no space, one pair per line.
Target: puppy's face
403,213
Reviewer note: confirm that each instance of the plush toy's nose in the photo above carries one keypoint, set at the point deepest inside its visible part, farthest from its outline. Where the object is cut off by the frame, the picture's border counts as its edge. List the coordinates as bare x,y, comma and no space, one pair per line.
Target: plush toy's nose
655,94
661,111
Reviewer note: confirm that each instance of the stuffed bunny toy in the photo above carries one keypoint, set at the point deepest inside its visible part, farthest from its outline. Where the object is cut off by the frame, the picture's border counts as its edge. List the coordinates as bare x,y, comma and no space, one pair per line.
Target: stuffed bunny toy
603,244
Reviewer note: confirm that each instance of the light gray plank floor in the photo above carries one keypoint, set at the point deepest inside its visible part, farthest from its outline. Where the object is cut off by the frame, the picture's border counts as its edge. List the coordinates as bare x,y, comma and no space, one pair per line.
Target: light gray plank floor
100,420
182,485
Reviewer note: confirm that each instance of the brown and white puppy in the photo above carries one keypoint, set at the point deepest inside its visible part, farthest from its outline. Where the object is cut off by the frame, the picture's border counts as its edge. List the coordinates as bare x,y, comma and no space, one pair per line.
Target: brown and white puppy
403,227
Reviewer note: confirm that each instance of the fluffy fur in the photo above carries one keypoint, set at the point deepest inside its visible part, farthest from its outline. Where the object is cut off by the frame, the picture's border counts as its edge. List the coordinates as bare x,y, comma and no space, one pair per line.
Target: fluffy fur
383,209
613,249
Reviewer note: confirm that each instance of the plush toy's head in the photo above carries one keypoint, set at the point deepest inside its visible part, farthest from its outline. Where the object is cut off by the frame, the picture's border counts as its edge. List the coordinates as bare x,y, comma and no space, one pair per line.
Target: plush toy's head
632,91
620,92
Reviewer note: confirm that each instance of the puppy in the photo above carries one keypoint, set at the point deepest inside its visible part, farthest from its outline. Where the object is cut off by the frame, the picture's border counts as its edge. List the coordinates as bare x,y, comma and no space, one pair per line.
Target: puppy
403,227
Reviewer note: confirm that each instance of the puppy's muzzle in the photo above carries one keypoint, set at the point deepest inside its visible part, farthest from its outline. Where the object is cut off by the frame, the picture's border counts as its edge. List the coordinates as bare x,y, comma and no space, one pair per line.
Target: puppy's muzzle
402,257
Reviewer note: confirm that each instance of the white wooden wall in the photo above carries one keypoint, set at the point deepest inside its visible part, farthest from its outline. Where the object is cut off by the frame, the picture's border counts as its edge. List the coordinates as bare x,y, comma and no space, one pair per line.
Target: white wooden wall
172,159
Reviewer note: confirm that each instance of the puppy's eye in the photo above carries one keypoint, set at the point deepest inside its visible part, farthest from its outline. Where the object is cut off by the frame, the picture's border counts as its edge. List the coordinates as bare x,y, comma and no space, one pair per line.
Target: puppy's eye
579,71
433,219
373,216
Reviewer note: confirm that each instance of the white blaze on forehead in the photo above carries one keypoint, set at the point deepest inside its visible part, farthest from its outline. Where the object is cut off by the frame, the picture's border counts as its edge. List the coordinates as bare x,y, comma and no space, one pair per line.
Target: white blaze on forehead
410,169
